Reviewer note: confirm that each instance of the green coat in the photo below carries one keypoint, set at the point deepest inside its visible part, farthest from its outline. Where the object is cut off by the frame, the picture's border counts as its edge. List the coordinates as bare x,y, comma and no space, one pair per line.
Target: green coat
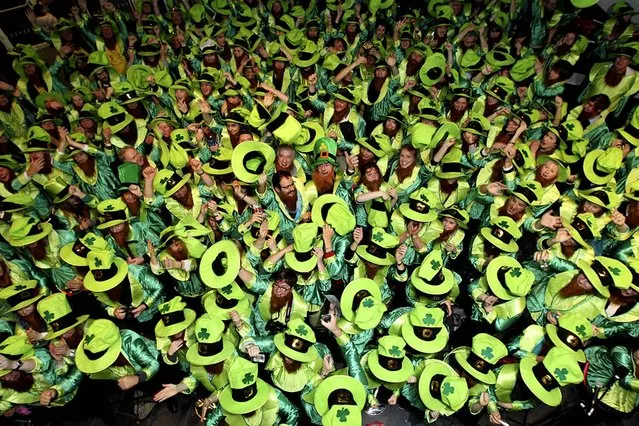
141,354
623,394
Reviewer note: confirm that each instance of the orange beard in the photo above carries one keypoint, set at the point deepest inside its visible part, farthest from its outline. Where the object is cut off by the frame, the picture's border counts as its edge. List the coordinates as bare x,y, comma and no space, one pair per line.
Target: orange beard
89,167
277,303
573,289
403,173
324,183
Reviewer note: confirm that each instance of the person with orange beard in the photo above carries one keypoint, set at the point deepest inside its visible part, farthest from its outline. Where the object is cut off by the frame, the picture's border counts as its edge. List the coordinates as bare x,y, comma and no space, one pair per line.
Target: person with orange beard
326,178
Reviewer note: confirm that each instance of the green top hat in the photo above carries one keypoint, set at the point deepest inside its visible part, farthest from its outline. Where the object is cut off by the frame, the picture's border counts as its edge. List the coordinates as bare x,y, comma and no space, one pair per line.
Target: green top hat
246,392
307,56
296,342
125,93
507,279
220,264
418,207
337,391
568,131
148,49
524,68
244,19
604,273
15,348
503,234
600,196
441,389
361,303
389,362
221,302
582,228
482,357
301,259
21,294
167,182
451,166
174,317
292,40
114,212
499,57
431,278
250,159
582,4
333,210
379,144
106,271
528,192
114,116
379,250
37,140
571,333
433,70
43,98
75,253
600,166
16,202
501,88
325,151
211,346
631,130
99,348
220,162
57,313
180,85
477,125
544,379
460,216
471,61
129,174
27,230
424,330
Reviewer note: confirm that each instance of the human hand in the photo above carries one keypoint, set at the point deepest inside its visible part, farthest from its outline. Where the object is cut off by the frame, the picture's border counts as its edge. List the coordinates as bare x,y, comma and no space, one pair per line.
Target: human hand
128,382
358,235
175,346
496,188
327,364
137,311
352,162
495,418
195,164
149,173
400,253
541,256
47,396
120,312
35,166
237,321
392,400
135,190
489,303
261,180
168,391
548,220
252,350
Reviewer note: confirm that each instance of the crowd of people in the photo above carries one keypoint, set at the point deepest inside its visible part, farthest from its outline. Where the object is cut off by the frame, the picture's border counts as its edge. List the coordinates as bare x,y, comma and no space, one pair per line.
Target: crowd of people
303,211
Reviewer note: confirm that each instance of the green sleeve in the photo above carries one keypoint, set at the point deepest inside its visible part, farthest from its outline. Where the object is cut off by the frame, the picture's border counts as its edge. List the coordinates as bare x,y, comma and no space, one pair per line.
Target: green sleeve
289,414
143,357
69,382
215,417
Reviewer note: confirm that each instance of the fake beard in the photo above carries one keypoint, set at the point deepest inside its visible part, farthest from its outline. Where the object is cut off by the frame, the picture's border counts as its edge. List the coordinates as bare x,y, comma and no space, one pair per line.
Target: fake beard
324,183
574,289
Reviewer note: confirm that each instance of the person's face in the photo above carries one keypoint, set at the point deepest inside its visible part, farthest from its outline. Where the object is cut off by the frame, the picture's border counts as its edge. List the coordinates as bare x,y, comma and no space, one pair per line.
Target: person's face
592,208
180,94
102,75
405,44
512,125
81,157
457,7
460,104
146,9
281,289
5,174
553,74
449,224
130,155
249,73
182,191
287,186
470,138
549,141
35,156
590,107
279,65
77,100
583,282
366,154
340,105
390,125
238,52
220,39
165,129
381,72
441,30
569,39
515,206
325,169
372,175
29,69
4,100
206,88
117,228
351,28
495,33
233,128
469,40
339,45
621,62
629,292
107,31
285,157
549,170
312,33
128,197
176,245
551,4
27,310
277,7
491,101
86,123
48,125
380,31
406,158
234,100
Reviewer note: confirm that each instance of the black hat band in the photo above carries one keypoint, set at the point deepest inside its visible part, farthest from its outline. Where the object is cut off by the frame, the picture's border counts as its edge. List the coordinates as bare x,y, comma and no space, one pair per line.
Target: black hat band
35,230
224,303
341,397
210,349
126,96
244,394
528,193
63,322
277,122
582,228
303,256
435,386
22,296
324,210
454,213
305,56
172,318
427,334
377,251
451,167
543,376
479,364
418,206
296,343
80,249
116,119
632,130
216,164
390,364
35,143
501,235
498,91
105,274
602,273
573,341
288,44
116,215
13,357
602,196
430,111
93,356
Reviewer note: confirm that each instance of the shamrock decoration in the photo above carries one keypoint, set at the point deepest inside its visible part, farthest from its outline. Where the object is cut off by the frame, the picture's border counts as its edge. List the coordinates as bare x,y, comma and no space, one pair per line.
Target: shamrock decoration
32,134
515,272
615,271
88,339
423,197
98,263
113,109
378,236
164,308
561,373
395,351
109,208
487,352
368,303
2,347
569,126
448,389
89,241
48,316
581,330
301,330
179,137
248,378
323,147
342,414
163,180
428,319
435,264
20,287
203,334
504,224
227,290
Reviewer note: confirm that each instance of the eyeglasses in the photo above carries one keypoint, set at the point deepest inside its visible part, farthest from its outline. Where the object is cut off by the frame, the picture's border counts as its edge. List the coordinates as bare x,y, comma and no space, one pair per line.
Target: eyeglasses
281,285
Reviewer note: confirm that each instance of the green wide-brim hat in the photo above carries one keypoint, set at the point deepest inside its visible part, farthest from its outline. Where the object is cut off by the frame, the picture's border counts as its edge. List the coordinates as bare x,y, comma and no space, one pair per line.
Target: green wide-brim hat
551,398
461,356
499,59
42,98
551,331
563,171
100,286
229,250
336,382
523,68
90,366
301,265
162,330
343,224
422,285
348,295
8,292
432,368
128,118
511,247
492,276
193,356
433,70
54,334
589,167
17,347
46,229
364,254
250,159
310,355
424,346
575,234
411,214
67,254
582,4
232,406
388,376
243,307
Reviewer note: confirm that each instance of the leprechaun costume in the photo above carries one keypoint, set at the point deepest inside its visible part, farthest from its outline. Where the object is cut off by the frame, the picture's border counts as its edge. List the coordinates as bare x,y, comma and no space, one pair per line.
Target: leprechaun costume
175,320
432,284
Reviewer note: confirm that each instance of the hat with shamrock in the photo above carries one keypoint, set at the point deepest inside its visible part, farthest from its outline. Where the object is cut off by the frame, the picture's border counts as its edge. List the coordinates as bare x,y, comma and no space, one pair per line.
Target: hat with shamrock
220,264
568,131
604,272
380,248
332,210
503,234
220,302
482,357
325,151
57,313
433,70
273,220
250,159
174,317
501,88
499,57
602,197
544,379
220,162
302,258
451,166
340,398
507,279
388,362
528,191
99,348
22,294
16,202
211,346
379,144
106,271
600,166
431,277
477,125
571,332
75,253
307,56
296,342
15,348
27,230
167,182
441,389
309,134
292,40
418,207
246,392
113,212
428,110
445,131
361,303
126,93
424,331
583,227
460,216
115,117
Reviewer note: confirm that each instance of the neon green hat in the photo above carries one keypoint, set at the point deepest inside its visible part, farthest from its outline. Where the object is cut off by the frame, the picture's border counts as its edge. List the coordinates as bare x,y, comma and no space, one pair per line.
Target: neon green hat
433,70
220,264
333,210
14,348
296,342
57,313
246,392
424,330
211,346
167,182
388,362
507,279
106,271
325,151
482,357
379,249
250,159
361,303
441,389
571,333
301,259
583,227
339,391
600,166
431,277
503,234
76,253
418,207
27,230
22,294
174,317
379,144
451,166
114,116
114,212
605,272
103,342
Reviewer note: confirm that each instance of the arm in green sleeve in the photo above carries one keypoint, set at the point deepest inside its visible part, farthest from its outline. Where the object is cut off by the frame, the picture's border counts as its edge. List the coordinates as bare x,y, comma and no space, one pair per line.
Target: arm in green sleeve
69,382
215,417
288,412
143,357
352,356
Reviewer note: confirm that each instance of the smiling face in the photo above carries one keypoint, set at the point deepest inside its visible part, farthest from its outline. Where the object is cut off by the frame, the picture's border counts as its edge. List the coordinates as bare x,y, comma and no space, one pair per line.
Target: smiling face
515,206
281,289
285,157
406,158
340,105
5,174
621,63
549,170
549,141
287,186
372,174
